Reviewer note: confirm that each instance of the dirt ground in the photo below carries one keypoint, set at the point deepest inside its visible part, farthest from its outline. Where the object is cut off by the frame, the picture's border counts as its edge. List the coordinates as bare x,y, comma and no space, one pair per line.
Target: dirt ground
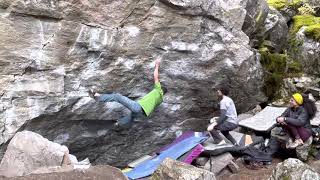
106,173
248,174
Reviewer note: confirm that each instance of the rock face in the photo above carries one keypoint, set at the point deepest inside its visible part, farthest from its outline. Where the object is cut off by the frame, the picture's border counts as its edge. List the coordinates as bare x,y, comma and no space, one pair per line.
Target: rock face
308,53
175,170
27,152
293,169
257,11
276,31
52,52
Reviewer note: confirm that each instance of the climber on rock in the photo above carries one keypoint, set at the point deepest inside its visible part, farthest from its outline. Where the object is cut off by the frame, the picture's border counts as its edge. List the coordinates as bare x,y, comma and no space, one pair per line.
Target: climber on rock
143,107
227,121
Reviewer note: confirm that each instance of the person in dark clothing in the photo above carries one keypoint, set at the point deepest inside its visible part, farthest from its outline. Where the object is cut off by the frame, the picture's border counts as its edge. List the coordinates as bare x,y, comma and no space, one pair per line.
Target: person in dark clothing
296,120
227,120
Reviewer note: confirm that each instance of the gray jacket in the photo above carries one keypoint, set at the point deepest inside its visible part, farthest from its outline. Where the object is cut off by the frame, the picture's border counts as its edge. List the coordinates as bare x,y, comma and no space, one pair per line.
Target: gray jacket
297,117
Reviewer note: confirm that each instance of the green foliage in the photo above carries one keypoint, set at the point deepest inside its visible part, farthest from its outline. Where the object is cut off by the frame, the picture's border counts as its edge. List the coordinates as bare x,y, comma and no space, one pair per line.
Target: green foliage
279,4
286,177
274,65
311,23
277,67
313,31
294,68
304,20
273,62
294,45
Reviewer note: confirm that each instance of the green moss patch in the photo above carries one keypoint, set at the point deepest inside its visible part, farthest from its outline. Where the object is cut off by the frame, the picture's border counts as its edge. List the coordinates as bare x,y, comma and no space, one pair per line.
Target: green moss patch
277,67
313,31
279,4
312,24
274,65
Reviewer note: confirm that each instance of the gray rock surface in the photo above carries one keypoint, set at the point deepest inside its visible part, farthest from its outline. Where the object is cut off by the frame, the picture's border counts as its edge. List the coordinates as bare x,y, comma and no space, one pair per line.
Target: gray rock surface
175,170
28,151
218,163
308,53
52,52
276,31
316,120
293,169
253,26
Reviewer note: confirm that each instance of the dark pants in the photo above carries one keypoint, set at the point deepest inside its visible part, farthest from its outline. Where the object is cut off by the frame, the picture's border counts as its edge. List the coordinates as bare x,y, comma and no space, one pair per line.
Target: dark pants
297,132
224,127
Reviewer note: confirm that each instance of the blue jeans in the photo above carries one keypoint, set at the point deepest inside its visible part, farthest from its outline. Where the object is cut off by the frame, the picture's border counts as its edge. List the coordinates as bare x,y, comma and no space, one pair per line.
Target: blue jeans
133,106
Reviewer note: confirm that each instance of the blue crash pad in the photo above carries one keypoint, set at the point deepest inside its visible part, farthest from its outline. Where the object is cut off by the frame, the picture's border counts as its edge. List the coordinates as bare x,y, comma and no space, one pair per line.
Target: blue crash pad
148,167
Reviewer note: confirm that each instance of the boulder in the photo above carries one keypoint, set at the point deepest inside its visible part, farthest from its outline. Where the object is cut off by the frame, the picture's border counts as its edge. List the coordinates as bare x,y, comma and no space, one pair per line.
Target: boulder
298,84
293,169
257,11
175,170
218,163
308,54
315,92
52,52
28,151
316,120
275,31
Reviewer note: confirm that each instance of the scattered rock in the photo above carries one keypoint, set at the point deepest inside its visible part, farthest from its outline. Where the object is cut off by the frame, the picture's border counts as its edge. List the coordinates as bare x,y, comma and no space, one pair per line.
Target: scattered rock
218,163
201,161
315,92
234,168
316,120
294,169
303,151
173,170
28,151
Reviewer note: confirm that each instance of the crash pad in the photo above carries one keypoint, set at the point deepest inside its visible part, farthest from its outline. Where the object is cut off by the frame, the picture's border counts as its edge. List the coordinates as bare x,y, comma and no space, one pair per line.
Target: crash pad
138,161
264,120
148,167
192,154
180,138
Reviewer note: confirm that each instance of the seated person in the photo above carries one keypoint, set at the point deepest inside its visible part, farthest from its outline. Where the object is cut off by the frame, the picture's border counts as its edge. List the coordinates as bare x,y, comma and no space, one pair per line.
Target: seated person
295,121
227,120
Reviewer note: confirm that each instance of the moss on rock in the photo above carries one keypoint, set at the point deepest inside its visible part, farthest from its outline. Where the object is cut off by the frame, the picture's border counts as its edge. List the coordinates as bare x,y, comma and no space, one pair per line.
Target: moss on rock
311,23
274,65
277,67
313,31
279,4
